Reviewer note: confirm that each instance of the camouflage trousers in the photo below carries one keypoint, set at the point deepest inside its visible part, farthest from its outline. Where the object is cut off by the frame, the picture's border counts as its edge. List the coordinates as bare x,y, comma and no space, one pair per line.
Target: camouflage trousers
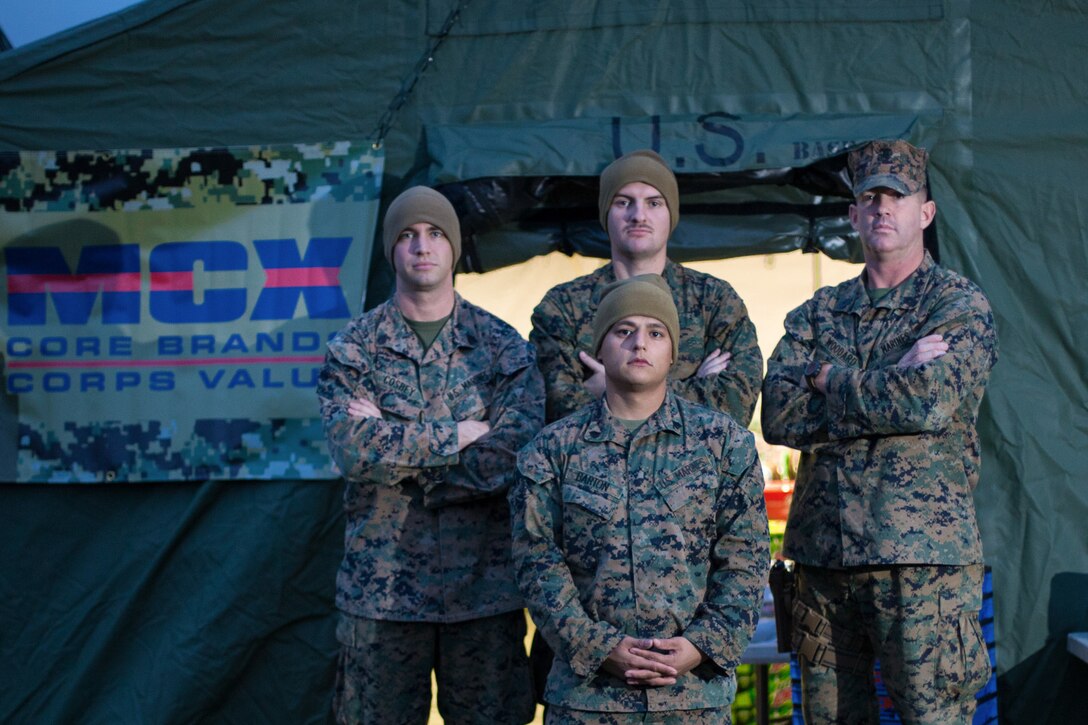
480,666
920,621
562,716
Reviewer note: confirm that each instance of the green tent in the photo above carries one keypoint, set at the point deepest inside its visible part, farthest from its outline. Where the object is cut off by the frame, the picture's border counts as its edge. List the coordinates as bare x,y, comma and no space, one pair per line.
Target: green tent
212,601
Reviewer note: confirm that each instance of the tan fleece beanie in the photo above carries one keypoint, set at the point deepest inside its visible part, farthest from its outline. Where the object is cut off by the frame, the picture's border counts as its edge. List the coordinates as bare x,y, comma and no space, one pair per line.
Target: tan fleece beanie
416,205
645,294
647,167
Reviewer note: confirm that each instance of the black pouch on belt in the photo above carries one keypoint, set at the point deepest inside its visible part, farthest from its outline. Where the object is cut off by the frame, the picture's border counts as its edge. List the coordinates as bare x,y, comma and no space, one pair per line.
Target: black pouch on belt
781,583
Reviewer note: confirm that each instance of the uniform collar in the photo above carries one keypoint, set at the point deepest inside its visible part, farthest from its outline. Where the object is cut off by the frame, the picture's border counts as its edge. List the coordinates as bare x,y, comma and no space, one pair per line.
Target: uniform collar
907,295
459,332
603,426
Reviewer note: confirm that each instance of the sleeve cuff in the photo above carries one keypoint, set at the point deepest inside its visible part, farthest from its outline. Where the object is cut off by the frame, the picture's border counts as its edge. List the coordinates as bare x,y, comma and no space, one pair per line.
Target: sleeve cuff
587,659
710,646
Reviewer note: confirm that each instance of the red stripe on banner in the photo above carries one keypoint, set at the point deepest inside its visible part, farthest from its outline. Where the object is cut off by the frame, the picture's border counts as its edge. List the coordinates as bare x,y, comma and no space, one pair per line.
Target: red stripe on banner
176,362
302,277
171,281
95,282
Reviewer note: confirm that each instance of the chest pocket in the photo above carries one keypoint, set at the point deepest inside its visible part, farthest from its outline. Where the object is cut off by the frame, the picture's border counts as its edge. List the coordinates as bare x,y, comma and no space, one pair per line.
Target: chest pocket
588,510
829,346
396,389
599,505
689,491
691,480
469,396
901,334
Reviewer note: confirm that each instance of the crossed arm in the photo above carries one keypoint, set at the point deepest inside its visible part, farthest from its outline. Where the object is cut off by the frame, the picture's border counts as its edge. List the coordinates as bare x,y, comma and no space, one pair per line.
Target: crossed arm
925,349
454,461
468,431
920,391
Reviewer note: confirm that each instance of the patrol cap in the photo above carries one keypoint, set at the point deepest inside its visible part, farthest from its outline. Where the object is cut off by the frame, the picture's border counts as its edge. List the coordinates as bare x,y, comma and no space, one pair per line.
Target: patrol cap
645,294
421,204
892,164
647,167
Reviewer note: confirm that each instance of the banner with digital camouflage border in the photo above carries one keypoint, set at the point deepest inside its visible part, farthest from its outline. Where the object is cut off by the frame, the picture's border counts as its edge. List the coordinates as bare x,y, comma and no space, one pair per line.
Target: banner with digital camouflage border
165,311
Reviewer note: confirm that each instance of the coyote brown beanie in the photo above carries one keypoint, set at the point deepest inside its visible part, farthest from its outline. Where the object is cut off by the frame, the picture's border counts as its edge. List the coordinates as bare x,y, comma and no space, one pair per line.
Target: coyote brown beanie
647,167
647,295
421,204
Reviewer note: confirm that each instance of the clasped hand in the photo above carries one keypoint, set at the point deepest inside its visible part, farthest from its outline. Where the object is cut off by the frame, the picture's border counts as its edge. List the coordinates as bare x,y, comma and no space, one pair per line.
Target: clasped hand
652,662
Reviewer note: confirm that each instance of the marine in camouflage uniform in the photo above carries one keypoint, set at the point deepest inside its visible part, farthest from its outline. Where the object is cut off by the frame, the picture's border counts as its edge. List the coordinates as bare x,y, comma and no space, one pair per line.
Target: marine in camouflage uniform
718,364
640,534
712,316
878,382
425,436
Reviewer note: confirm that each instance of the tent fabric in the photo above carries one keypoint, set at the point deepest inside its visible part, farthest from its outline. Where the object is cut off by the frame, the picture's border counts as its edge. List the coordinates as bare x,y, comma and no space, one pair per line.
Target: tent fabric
1000,91
175,603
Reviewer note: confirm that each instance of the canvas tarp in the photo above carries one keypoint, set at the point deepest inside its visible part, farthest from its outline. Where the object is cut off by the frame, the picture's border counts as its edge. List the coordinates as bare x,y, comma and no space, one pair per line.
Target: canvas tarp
154,603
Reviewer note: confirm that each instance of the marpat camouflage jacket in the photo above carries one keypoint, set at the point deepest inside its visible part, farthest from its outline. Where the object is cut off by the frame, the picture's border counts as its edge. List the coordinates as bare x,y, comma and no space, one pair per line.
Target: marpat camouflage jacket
659,533
712,315
890,457
428,528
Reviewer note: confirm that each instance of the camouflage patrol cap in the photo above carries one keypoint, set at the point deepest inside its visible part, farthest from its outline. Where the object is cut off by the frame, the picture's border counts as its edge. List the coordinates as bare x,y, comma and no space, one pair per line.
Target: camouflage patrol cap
416,205
644,294
892,164
647,167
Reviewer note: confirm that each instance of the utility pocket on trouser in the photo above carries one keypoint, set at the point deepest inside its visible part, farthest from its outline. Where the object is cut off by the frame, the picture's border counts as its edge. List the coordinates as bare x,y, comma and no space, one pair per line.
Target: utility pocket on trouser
964,666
